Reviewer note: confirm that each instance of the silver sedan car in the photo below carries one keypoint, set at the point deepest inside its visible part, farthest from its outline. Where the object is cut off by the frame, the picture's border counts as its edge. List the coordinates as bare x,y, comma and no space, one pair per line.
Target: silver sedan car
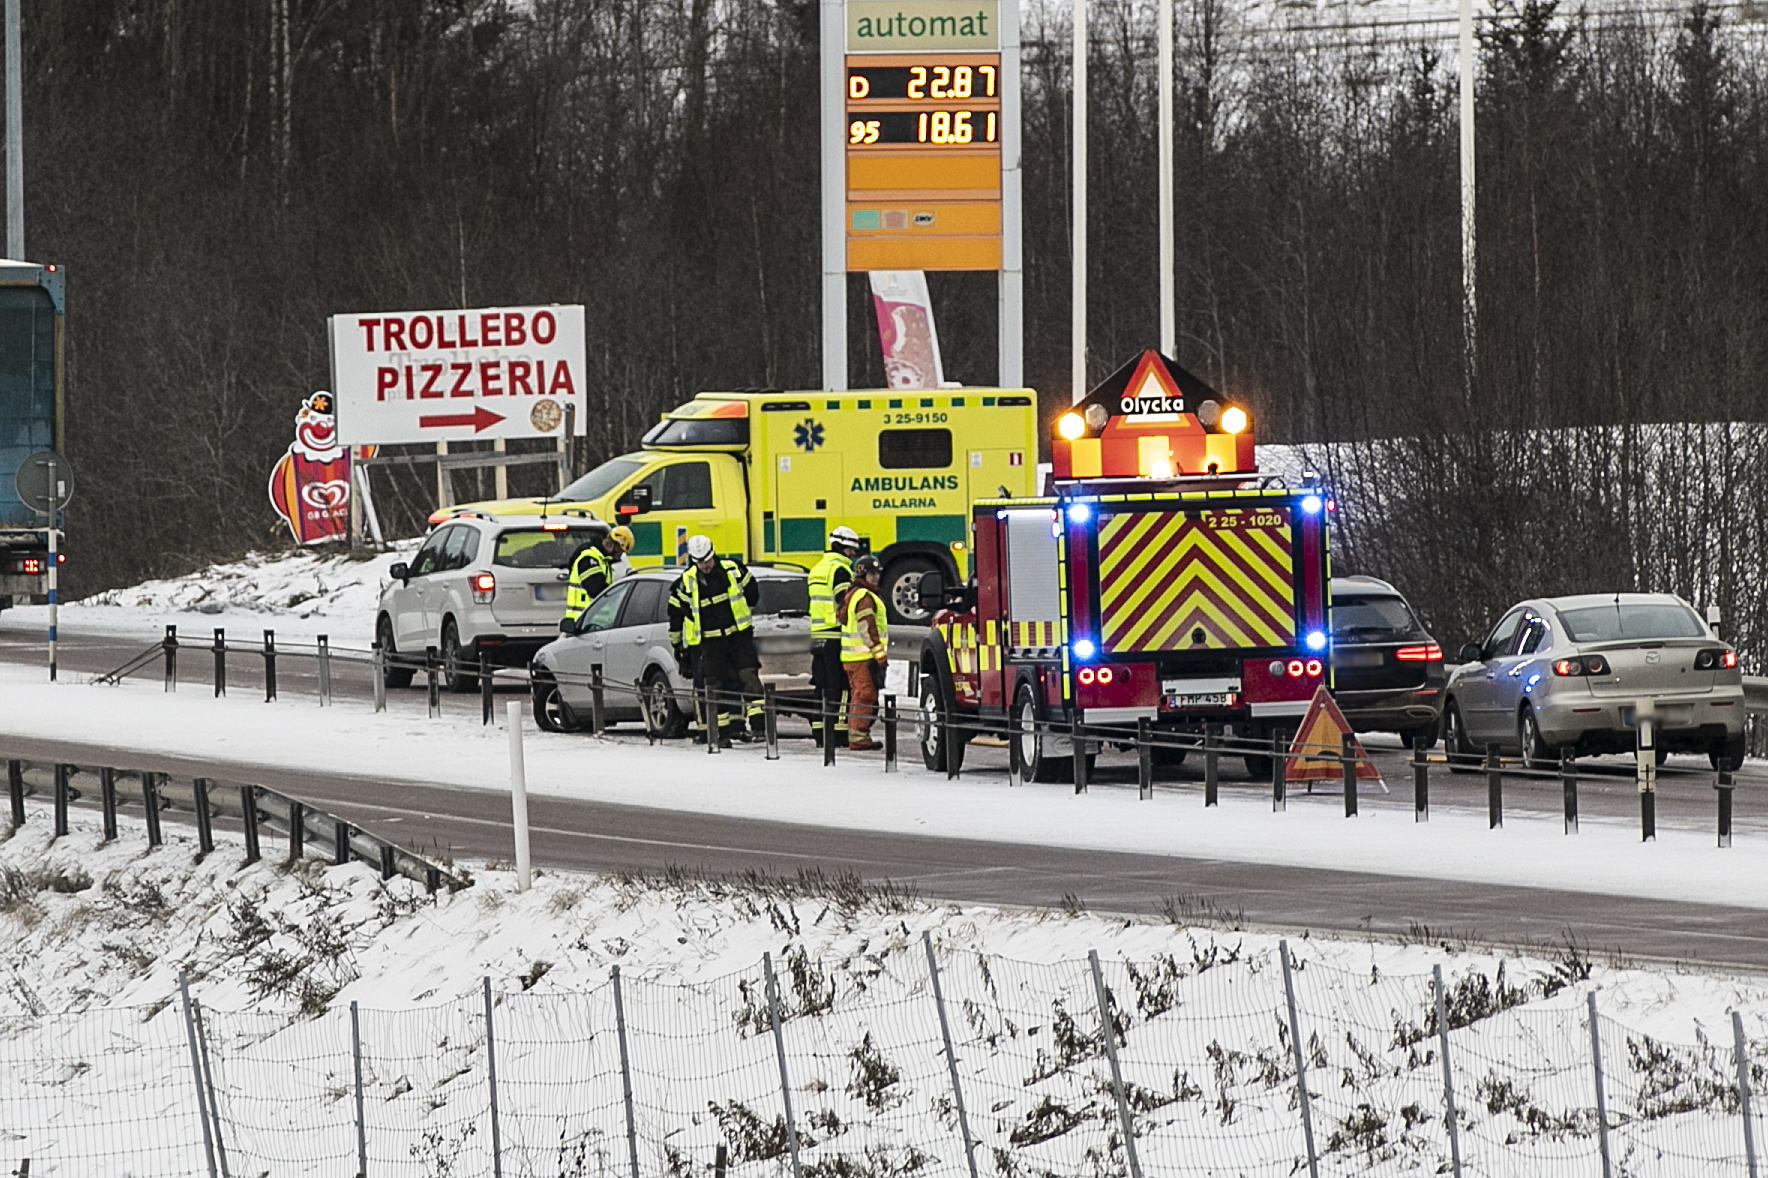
1572,672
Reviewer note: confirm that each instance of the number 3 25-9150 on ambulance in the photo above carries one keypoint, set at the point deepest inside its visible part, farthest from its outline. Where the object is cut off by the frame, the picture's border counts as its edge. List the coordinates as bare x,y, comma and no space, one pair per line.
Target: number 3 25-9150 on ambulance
767,475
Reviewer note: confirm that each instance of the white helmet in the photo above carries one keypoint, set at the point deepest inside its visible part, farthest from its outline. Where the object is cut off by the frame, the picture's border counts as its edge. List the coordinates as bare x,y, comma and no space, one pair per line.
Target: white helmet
699,547
844,536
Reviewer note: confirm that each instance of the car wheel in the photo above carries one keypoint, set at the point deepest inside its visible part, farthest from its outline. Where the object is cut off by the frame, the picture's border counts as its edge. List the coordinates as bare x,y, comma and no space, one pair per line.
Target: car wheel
551,712
454,661
392,674
1022,726
1727,757
662,714
1429,733
1460,754
1259,766
930,728
901,590
1536,755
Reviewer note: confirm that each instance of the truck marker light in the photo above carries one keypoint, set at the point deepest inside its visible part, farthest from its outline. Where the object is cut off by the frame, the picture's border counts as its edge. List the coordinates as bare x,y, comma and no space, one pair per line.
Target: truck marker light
33,566
1071,426
1086,675
1233,419
1104,676
1315,668
1317,640
1080,513
1312,504
1294,668
1083,648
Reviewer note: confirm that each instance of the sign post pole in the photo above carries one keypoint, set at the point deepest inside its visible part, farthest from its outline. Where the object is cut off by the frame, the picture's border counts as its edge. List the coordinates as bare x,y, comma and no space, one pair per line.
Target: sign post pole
834,188
1011,373
54,559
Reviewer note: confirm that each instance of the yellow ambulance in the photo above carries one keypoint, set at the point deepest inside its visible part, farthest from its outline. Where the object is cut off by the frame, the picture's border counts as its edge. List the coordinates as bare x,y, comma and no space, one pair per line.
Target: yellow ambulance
767,475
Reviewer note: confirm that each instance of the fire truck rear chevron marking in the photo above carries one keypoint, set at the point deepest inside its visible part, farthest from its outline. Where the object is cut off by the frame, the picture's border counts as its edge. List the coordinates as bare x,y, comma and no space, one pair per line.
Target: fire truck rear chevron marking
1164,576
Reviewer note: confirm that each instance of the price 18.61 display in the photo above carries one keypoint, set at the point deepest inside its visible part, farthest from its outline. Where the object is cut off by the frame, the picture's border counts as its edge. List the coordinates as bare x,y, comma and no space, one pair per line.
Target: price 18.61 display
931,127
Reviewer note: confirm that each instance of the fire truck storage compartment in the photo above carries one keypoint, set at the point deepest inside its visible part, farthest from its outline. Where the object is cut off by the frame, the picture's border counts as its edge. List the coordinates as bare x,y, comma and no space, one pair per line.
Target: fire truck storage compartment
1196,580
1034,588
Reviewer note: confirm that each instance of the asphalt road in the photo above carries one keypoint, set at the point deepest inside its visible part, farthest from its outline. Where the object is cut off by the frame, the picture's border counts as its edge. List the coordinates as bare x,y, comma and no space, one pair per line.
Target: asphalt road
596,836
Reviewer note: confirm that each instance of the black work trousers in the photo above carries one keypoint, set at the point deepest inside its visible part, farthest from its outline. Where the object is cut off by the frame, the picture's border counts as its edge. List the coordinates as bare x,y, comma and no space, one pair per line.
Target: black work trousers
829,677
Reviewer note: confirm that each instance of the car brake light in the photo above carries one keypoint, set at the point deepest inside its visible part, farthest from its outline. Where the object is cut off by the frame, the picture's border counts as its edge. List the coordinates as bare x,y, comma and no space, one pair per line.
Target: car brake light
1295,668
1420,654
1568,667
1315,668
1086,675
1104,675
550,526
484,587
1730,659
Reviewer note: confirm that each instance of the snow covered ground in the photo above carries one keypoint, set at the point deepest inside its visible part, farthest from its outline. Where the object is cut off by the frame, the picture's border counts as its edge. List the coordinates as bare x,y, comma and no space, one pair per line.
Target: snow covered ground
403,744
96,1074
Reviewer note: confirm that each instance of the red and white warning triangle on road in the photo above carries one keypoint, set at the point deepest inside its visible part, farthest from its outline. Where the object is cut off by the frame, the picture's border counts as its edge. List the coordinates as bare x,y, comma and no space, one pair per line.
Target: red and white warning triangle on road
1315,753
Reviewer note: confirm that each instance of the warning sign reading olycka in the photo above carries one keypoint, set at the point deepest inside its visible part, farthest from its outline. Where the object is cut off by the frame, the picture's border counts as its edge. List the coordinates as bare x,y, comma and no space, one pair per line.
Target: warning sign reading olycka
445,376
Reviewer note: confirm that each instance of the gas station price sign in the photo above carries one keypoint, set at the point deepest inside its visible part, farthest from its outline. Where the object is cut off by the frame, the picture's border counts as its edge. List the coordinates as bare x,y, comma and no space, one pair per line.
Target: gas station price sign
923,131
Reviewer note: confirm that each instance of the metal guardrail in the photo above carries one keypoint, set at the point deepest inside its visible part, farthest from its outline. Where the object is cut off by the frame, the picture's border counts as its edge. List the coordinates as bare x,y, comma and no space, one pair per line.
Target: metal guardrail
305,828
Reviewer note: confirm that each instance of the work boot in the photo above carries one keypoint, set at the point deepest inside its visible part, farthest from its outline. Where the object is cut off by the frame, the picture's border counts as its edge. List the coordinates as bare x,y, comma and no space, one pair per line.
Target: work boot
724,742
863,745
740,735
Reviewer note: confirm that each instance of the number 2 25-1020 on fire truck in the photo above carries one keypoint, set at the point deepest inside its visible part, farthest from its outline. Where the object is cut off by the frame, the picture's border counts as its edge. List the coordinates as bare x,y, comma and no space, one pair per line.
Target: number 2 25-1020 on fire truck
1164,581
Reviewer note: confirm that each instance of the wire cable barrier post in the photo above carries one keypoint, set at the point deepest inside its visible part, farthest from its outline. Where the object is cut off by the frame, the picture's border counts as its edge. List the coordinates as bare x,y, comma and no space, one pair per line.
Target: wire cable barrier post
1420,781
1494,789
1568,783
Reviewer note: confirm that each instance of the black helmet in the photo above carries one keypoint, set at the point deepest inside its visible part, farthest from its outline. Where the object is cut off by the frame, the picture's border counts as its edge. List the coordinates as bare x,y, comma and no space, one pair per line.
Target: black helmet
867,565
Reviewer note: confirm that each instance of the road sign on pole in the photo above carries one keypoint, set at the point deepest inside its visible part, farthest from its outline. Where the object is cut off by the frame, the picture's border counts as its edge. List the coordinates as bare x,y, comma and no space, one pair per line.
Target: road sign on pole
442,376
45,482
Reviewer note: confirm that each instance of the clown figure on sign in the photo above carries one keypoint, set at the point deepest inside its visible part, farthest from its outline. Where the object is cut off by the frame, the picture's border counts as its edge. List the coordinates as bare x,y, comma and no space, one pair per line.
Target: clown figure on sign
310,485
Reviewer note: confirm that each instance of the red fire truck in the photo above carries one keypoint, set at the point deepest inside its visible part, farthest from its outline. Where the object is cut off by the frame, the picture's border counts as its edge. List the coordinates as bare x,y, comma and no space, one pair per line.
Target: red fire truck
1163,579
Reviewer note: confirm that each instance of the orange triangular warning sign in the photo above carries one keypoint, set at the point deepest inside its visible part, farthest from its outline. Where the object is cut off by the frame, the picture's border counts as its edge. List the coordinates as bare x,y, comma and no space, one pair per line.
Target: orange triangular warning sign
1151,388
1315,754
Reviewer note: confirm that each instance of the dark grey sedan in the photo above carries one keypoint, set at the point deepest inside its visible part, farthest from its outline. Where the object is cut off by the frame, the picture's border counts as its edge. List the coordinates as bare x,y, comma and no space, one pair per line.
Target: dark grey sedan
1574,672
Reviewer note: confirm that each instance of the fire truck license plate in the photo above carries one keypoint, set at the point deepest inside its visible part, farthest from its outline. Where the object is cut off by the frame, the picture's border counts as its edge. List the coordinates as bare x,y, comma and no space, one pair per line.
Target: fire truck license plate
1220,699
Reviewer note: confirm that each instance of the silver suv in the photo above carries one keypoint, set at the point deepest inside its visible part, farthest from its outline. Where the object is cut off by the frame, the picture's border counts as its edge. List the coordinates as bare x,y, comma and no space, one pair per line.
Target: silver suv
480,586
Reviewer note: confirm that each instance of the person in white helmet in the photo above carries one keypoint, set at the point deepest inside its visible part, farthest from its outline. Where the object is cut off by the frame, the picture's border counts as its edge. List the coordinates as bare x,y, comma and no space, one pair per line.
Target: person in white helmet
828,587
712,630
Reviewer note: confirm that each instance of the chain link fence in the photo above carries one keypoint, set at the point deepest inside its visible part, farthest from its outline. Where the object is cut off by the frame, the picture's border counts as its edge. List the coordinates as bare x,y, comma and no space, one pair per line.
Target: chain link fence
900,1060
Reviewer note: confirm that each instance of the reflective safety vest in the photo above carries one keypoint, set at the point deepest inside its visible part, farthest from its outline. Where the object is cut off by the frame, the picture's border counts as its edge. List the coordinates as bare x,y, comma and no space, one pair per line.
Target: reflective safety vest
687,595
589,562
854,647
823,622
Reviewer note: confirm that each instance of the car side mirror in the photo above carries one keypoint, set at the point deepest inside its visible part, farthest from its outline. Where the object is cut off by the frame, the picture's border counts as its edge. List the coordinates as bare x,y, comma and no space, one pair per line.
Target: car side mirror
1473,652
636,501
567,625
400,572
932,591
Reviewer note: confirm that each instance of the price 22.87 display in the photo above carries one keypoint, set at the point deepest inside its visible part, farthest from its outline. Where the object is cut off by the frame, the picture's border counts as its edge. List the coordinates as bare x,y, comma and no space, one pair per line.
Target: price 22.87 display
946,127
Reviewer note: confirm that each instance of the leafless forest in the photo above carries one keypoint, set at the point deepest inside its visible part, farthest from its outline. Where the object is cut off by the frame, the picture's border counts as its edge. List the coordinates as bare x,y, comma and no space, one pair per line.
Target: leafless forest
220,175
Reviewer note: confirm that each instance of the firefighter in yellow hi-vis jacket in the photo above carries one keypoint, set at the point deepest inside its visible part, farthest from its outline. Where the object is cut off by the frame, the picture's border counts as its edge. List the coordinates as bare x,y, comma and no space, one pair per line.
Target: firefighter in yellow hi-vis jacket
865,649
592,569
828,588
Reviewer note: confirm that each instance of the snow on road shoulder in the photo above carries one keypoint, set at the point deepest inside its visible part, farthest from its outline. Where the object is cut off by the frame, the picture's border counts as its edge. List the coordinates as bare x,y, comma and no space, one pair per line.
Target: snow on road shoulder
300,594
404,745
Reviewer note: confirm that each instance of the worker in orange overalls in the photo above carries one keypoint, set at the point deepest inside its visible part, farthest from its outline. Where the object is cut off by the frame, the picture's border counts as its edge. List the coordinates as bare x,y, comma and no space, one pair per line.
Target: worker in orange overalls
865,649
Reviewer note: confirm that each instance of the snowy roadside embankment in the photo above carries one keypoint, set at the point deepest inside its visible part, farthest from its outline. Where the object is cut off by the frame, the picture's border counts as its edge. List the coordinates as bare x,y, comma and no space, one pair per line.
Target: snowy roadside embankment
300,594
299,972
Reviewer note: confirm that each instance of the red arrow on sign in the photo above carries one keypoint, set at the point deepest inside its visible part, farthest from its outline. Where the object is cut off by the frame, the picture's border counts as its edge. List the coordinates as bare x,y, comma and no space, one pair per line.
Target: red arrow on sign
479,419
